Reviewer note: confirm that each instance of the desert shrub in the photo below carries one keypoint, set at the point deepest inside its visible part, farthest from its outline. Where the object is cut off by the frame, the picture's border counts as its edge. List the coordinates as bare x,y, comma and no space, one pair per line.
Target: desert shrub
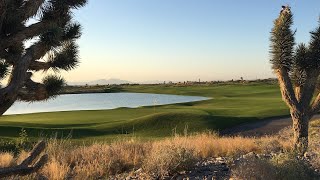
314,144
270,145
166,158
290,167
8,146
254,169
56,170
283,166
21,143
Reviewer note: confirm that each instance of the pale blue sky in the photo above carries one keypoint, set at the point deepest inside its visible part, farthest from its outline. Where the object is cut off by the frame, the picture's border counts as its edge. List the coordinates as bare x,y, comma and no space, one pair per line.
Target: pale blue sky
142,40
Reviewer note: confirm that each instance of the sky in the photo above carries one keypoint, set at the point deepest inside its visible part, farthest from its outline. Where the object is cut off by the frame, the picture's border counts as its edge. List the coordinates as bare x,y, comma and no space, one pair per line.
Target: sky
180,40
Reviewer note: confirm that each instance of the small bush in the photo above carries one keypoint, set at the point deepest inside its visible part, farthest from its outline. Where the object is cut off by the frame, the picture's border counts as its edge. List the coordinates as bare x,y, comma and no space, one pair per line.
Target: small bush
168,159
270,146
283,166
23,142
8,146
292,168
55,170
254,169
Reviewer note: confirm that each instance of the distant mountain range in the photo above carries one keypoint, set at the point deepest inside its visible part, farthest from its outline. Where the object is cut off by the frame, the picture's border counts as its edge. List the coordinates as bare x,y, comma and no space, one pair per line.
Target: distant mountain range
102,82
112,81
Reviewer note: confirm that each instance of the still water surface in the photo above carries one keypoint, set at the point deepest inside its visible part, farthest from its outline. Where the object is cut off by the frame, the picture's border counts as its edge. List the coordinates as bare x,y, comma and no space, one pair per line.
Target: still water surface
99,101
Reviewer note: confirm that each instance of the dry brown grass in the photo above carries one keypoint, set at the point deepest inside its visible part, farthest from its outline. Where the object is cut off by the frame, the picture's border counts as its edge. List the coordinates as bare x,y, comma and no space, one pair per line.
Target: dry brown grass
6,159
210,145
161,157
56,170
282,166
170,156
100,160
314,147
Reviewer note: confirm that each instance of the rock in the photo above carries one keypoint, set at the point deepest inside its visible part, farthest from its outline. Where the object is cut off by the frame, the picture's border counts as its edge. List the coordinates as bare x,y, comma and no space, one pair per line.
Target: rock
225,169
179,178
223,164
309,155
249,155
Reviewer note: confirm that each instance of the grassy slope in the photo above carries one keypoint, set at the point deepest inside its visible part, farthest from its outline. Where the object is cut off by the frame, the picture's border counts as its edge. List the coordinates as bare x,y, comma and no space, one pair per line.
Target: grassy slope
231,105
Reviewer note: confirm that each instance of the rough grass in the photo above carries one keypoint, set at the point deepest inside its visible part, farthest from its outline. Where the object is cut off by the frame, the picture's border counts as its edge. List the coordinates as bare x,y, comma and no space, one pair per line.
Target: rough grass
230,105
282,166
157,158
6,159
285,165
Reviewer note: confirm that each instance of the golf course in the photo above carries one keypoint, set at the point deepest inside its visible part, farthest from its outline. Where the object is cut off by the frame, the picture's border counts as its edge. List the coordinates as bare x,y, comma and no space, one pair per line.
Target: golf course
229,105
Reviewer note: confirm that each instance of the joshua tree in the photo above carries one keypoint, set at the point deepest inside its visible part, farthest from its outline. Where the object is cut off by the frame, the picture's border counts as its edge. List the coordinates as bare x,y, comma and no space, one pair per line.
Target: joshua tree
35,35
297,70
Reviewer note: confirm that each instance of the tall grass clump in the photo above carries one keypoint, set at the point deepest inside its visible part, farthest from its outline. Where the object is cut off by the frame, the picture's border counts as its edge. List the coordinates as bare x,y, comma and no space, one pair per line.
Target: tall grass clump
283,166
169,157
102,160
6,159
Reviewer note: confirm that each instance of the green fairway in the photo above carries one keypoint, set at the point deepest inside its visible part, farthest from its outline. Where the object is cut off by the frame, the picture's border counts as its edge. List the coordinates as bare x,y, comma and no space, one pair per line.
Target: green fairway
230,105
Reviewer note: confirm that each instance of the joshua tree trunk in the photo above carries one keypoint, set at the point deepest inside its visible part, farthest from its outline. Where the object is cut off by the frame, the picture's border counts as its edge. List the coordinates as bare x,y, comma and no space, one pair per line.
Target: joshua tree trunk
297,70
26,167
9,94
4,106
300,130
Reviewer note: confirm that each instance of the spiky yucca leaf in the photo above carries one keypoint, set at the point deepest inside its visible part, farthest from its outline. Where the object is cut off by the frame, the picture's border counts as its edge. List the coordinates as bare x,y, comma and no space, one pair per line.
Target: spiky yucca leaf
52,36
298,77
4,69
301,64
282,41
59,7
72,31
302,58
31,8
75,4
66,58
11,23
54,9
315,47
53,84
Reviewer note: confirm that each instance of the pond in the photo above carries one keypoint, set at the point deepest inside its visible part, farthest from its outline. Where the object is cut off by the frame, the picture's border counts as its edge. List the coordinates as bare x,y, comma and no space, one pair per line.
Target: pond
99,101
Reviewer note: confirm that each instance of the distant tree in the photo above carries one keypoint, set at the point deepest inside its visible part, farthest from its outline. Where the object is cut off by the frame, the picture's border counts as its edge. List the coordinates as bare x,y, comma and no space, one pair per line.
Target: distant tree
297,70
53,35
